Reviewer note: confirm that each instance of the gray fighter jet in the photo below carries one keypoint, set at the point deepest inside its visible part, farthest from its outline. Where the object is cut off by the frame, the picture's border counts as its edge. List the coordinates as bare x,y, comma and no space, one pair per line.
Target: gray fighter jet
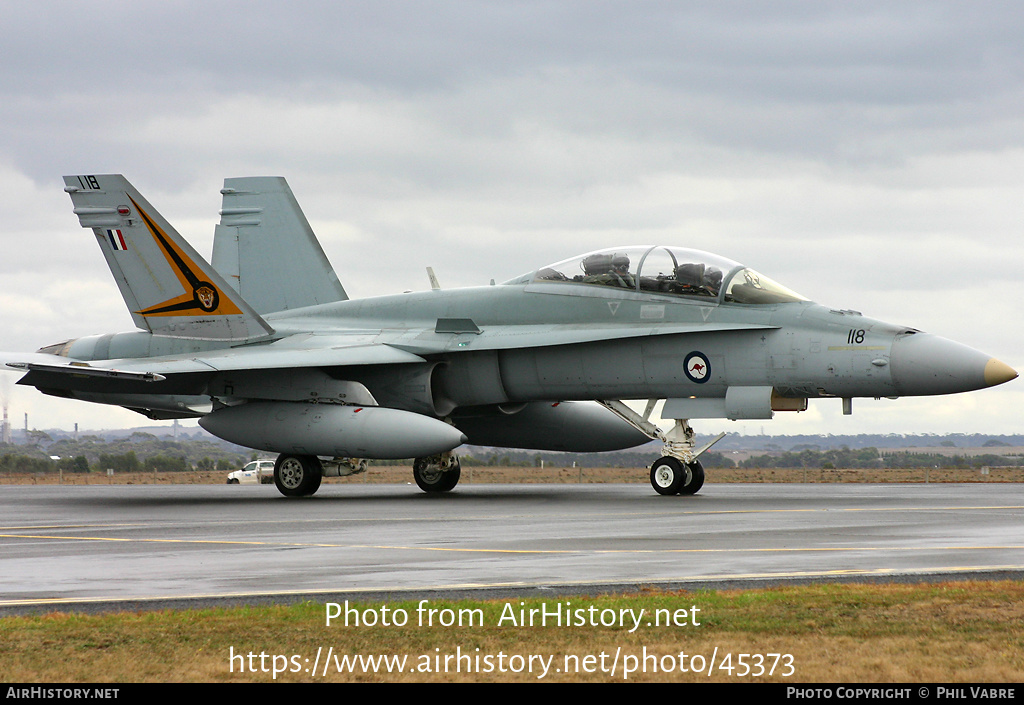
265,348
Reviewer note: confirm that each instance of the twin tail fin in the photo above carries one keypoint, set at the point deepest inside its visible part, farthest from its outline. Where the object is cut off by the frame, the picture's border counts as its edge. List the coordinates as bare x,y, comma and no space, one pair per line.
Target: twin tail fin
168,288
266,250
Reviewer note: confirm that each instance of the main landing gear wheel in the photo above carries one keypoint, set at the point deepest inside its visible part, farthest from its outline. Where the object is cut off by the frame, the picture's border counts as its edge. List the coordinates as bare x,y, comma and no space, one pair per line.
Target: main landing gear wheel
670,476
297,475
431,478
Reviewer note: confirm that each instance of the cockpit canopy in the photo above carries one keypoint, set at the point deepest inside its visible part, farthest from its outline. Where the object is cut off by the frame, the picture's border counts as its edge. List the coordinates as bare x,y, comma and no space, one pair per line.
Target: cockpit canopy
673,271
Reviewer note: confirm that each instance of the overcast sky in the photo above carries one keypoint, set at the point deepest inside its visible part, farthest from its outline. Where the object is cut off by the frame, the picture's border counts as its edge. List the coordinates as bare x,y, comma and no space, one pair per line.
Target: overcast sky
868,155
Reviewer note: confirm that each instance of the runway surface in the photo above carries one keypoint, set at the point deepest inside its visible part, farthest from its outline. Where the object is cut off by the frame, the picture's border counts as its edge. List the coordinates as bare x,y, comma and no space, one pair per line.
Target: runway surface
99,544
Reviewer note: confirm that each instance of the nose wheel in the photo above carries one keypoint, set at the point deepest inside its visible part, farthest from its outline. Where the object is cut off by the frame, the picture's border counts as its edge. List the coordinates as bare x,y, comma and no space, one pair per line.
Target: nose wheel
670,476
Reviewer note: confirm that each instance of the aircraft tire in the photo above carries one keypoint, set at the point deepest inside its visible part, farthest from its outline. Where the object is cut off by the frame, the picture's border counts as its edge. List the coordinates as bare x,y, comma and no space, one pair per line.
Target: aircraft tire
297,475
431,478
696,479
668,475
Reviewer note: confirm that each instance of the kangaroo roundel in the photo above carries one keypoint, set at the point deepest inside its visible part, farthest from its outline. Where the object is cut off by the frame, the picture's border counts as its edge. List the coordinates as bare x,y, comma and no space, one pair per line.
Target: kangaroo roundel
697,367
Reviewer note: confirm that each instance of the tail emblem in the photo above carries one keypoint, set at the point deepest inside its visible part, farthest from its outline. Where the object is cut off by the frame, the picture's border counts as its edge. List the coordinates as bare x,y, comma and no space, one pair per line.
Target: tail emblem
207,297
200,296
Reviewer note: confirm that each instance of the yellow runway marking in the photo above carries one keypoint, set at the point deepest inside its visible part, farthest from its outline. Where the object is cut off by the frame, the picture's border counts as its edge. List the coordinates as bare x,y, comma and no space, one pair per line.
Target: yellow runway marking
499,517
529,551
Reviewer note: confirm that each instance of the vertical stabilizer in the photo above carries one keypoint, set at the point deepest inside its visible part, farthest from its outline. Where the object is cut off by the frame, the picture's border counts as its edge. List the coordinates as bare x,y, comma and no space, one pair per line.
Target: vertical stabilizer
265,248
169,289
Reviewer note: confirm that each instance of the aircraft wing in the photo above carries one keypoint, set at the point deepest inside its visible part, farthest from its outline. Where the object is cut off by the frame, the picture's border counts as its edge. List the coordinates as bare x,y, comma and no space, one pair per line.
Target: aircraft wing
308,351
319,353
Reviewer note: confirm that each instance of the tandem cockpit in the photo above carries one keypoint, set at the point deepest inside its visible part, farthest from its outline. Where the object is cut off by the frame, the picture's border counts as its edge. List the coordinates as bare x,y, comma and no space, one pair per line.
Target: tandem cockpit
670,271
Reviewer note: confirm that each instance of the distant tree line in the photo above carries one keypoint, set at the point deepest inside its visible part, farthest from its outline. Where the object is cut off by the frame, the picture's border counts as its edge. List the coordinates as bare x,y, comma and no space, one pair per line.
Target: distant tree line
866,458
921,460
140,452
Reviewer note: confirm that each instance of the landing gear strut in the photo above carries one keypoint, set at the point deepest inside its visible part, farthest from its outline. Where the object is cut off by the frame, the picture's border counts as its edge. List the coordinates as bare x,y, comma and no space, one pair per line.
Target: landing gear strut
437,473
297,475
678,471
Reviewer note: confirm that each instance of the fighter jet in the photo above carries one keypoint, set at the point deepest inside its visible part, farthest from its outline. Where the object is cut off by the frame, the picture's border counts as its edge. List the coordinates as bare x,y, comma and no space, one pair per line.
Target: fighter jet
266,349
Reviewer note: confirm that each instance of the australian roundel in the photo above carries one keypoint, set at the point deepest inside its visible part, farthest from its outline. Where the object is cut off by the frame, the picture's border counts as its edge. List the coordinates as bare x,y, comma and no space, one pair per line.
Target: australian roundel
697,367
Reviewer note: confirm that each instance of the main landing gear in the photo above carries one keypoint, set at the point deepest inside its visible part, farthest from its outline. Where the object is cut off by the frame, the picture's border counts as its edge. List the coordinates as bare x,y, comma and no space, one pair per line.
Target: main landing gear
300,475
437,473
678,471
297,475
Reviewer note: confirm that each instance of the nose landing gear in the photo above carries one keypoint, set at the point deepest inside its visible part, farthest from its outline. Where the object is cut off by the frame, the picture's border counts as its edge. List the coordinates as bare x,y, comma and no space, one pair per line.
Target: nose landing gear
671,476
678,471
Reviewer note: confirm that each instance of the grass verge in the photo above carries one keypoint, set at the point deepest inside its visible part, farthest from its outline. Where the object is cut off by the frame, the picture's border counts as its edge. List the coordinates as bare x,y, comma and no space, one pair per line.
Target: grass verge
944,632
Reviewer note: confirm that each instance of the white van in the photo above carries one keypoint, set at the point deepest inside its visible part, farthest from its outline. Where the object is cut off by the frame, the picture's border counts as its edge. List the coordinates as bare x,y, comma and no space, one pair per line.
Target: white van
258,472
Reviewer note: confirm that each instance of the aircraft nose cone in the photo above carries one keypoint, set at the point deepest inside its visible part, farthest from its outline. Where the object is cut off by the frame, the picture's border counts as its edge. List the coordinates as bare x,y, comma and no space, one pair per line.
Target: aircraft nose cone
925,364
997,372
